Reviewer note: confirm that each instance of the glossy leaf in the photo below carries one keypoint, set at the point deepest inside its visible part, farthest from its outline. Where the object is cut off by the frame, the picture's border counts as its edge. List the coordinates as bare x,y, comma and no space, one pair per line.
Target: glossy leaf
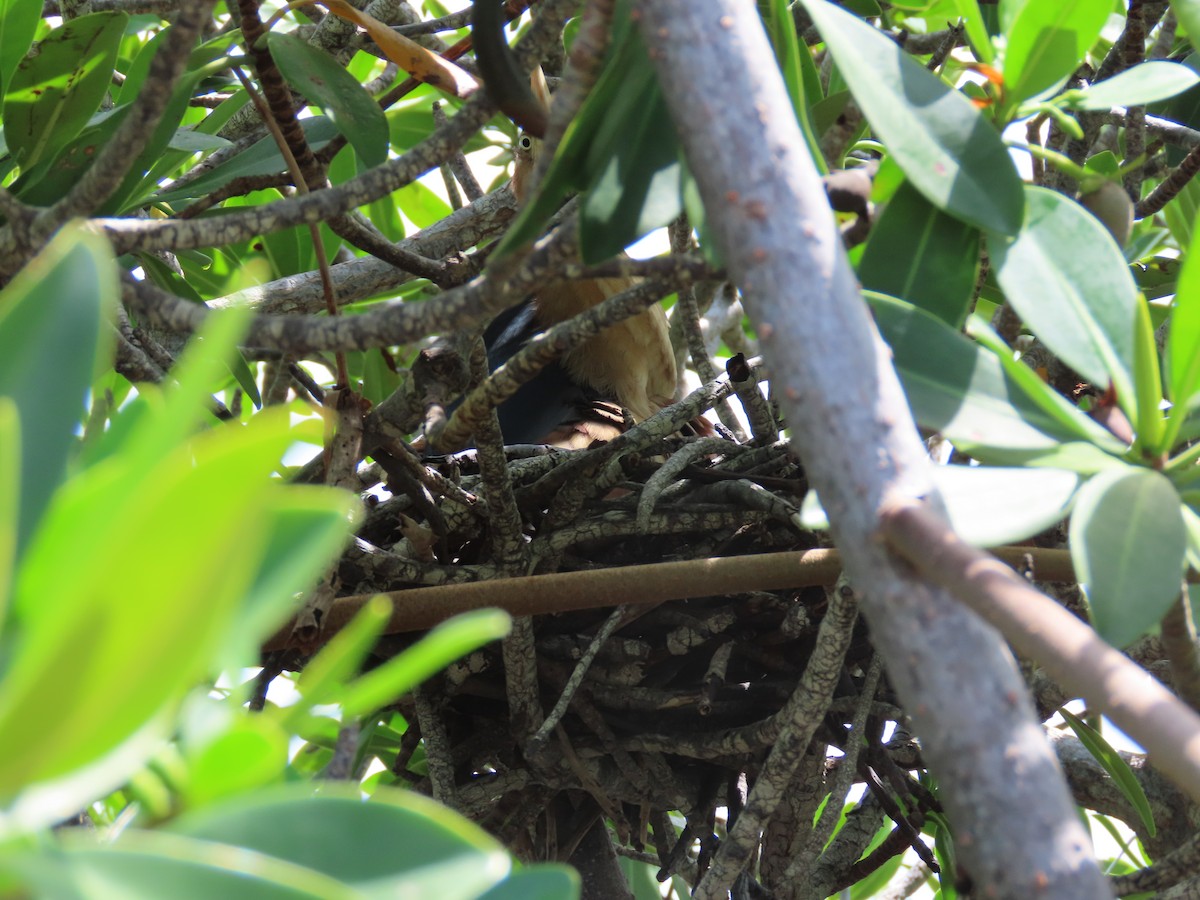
961,390
918,253
1188,14
1067,279
1045,43
1127,543
325,83
992,506
1148,82
949,152
1114,764
52,95
18,25
51,337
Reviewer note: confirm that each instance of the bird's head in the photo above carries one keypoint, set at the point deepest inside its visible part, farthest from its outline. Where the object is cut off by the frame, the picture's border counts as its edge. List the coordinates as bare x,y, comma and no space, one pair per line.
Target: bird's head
525,150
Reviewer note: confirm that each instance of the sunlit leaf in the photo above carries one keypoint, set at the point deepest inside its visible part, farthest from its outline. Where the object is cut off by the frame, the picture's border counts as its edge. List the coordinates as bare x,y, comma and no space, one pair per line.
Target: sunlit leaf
53,93
1145,83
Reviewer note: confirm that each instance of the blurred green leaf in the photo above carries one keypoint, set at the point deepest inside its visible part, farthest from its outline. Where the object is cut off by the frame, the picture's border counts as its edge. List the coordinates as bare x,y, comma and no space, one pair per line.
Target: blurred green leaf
918,253
949,152
320,78
1148,82
1067,279
53,93
52,335
251,753
621,151
976,27
443,645
151,865
1050,401
1114,764
339,660
394,842
10,492
1045,43
1127,542
543,882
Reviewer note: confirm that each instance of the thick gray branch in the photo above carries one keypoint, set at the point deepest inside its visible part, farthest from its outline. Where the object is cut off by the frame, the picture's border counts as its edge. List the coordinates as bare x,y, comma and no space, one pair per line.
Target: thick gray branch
1018,834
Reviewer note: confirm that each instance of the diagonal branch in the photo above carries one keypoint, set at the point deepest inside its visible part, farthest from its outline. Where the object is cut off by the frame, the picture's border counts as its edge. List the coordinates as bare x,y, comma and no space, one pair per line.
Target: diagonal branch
851,427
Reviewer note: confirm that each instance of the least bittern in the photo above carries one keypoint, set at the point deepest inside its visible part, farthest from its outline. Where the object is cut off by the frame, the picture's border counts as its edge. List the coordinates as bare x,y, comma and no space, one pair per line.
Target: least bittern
628,366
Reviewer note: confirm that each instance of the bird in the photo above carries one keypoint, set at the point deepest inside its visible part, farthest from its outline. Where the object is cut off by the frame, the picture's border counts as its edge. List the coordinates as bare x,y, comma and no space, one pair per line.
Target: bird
579,399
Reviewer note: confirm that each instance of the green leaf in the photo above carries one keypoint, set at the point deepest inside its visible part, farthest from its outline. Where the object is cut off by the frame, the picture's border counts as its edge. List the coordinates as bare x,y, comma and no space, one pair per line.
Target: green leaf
443,645
947,149
10,491
340,659
1148,82
250,753
147,865
18,24
799,72
977,33
51,338
262,158
961,390
1045,43
396,843
542,882
52,94
918,253
1050,401
1188,14
1065,276
1114,764
622,151
320,78
1127,542
1183,342
1148,424
989,506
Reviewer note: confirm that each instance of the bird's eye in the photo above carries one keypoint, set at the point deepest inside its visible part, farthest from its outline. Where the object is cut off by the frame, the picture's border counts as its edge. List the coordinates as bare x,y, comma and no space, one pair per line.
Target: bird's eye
525,142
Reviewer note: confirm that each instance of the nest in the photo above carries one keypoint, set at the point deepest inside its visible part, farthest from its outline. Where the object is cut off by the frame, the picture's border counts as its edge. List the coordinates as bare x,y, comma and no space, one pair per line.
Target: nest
654,719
